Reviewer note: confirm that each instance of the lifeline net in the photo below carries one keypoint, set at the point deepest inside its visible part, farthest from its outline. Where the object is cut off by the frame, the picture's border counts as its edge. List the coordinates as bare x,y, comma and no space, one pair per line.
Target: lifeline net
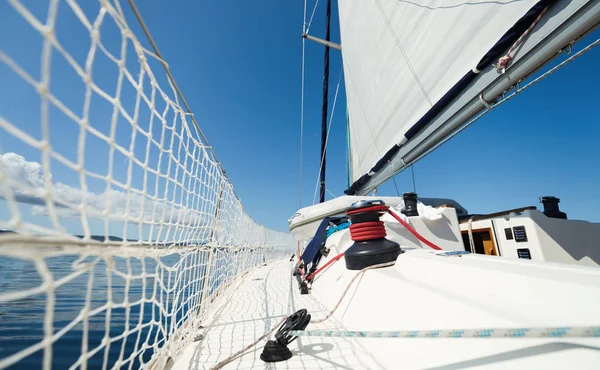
94,142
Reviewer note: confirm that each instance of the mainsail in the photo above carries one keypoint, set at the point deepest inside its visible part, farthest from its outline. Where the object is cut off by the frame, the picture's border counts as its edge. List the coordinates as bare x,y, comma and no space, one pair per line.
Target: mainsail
415,71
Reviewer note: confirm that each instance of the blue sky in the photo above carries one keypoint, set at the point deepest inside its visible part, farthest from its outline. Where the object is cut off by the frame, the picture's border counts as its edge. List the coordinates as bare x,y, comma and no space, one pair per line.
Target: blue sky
238,65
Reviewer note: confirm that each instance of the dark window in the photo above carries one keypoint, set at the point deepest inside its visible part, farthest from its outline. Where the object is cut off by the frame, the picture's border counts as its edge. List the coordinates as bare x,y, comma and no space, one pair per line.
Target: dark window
508,233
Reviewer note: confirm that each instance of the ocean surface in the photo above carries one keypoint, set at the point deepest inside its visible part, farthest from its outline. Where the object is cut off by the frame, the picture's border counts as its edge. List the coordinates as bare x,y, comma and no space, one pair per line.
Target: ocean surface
174,284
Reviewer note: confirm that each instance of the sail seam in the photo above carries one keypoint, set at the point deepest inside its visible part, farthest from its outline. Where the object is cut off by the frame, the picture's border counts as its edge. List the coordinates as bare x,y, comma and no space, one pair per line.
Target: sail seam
351,79
404,54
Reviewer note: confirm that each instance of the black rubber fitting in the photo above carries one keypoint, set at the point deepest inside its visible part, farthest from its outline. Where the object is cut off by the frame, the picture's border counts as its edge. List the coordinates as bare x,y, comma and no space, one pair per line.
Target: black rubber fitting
275,352
410,205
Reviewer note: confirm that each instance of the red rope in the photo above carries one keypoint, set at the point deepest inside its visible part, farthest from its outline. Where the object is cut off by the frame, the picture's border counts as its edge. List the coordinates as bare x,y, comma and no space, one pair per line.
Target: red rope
325,265
367,231
402,222
369,209
373,230
413,231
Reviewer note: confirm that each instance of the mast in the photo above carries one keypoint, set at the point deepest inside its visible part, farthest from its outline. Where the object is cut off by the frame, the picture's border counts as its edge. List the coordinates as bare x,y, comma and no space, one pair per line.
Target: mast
324,107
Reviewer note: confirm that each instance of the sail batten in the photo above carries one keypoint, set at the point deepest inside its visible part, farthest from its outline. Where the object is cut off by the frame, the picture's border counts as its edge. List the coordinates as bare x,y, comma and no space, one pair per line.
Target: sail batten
444,47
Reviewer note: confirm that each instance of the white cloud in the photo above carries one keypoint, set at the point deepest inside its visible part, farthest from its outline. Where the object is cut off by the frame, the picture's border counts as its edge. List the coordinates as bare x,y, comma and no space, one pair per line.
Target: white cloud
29,187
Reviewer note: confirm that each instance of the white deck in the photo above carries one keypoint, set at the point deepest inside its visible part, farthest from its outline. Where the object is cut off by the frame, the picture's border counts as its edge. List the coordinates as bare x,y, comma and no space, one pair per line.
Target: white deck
252,308
421,292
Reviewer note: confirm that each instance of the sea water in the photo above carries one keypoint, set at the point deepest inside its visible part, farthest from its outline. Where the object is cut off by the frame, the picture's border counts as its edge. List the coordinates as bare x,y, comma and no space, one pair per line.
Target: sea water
22,321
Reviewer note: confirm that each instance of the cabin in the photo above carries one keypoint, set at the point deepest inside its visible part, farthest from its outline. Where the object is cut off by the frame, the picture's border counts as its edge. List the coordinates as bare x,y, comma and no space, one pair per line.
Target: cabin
521,233
529,233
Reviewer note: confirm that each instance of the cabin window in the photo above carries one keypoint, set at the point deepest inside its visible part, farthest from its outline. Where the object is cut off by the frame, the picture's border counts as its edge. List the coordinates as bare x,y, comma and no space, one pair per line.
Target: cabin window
508,233
483,239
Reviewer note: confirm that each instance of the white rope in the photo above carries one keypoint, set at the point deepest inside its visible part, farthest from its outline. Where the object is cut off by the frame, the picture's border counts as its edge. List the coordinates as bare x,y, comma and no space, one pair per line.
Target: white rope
505,333
339,301
249,346
316,321
328,132
504,61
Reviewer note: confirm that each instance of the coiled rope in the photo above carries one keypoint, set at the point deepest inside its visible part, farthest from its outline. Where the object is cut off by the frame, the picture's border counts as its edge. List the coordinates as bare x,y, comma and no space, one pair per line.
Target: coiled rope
406,225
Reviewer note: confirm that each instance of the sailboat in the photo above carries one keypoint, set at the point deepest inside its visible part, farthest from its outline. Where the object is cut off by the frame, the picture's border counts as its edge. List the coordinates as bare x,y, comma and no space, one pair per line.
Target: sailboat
404,282
369,282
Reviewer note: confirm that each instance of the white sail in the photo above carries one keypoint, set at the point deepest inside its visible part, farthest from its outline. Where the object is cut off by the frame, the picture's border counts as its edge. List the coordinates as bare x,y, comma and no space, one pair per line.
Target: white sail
403,57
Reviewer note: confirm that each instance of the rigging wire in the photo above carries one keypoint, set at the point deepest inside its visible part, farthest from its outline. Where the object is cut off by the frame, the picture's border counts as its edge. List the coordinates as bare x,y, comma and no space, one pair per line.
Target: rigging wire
329,191
396,185
311,17
337,89
412,169
504,99
302,105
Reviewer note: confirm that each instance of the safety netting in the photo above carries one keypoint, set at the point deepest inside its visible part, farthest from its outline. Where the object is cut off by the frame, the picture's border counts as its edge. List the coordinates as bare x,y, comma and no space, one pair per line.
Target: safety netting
119,224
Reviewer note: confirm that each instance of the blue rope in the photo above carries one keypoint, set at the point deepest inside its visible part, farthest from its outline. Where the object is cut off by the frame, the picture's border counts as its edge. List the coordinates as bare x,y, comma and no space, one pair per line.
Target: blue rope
339,227
556,332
